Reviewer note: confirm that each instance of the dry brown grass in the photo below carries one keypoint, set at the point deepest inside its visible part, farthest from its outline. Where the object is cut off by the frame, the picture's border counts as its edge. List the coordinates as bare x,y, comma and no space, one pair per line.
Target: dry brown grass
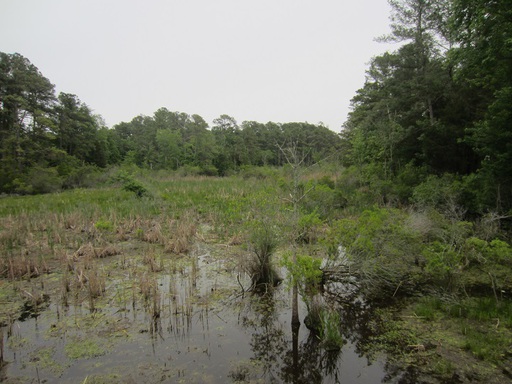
148,288
154,234
182,234
150,259
109,250
22,266
96,283
236,239
88,251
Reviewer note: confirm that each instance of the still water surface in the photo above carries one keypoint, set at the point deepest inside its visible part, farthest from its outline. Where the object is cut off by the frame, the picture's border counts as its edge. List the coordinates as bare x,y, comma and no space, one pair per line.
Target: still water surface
207,332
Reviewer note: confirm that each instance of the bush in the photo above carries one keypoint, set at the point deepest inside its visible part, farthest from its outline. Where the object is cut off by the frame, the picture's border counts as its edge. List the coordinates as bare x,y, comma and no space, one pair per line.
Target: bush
83,177
249,171
321,200
306,273
208,170
442,193
131,185
383,253
309,226
38,180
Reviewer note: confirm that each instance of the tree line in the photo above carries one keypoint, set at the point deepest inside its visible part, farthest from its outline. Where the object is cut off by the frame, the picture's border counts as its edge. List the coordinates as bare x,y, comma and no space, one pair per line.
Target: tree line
49,141
431,124
434,118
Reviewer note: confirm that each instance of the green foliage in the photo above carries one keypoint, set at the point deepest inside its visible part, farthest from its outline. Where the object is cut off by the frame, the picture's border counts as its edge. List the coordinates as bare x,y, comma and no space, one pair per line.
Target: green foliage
330,333
481,322
104,225
309,226
321,200
445,111
482,309
262,173
132,185
482,252
305,272
442,261
38,129
437,192
394,251
38,180
263,242
41,133
428,308
82,177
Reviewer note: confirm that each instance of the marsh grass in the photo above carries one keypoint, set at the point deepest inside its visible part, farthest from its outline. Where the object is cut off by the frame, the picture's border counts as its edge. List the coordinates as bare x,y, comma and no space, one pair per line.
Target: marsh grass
22,266
480,309
80,348
479,325
182,233
330,334
154,261
263,244
154,234
151,295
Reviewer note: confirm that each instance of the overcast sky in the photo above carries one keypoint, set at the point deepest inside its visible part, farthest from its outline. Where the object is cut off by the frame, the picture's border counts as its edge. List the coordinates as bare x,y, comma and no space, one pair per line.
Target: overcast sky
262,60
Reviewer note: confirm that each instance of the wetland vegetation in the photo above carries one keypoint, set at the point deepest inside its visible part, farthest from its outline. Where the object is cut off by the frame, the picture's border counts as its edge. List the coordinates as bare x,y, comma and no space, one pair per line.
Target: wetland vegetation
105,285
166,250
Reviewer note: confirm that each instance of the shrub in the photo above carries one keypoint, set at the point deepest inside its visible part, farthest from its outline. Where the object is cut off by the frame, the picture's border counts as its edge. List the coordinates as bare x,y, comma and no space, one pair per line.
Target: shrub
383,253
38,180
309,227
442,193
305,272
131,185
82,177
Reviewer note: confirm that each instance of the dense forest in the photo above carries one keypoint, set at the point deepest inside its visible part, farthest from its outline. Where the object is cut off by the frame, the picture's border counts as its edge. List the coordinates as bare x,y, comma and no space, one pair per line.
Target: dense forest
432,121
436,112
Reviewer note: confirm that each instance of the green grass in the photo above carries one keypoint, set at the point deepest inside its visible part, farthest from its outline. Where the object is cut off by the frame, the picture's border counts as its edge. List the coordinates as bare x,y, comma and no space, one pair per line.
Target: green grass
428,308
482,309
489,344
479,325
84,349
331,336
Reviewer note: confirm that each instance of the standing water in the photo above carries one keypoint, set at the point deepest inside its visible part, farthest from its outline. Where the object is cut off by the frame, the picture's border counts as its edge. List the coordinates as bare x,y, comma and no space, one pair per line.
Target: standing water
192,322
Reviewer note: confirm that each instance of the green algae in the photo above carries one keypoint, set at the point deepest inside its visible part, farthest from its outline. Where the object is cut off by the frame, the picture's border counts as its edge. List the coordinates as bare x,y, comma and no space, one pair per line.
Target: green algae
80,348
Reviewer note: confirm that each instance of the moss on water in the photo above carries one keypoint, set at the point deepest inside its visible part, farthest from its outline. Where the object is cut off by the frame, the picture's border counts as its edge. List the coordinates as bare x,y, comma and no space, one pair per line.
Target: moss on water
43,358
84,349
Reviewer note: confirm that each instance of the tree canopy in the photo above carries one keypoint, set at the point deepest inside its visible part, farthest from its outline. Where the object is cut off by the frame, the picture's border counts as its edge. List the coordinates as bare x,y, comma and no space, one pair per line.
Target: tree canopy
436,108
441,102
47,140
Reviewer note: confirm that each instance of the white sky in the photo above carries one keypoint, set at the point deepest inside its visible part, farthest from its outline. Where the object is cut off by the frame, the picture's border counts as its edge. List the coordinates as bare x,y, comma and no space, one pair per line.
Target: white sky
262,60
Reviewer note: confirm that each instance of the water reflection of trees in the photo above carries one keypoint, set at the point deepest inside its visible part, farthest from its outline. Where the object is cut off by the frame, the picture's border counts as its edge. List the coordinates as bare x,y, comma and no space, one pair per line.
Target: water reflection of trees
277,348
285,354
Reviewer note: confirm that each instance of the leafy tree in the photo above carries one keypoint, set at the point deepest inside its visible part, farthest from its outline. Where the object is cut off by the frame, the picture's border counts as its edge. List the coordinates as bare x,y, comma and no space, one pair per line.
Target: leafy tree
26,116
77,129
483,60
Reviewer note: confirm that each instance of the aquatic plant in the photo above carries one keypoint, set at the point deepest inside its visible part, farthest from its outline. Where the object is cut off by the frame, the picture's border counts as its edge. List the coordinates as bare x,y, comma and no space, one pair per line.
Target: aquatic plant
263,243
84,348
330,332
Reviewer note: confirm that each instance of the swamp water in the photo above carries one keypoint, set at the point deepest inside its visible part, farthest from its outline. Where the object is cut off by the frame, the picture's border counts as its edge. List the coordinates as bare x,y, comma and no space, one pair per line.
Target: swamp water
195,325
